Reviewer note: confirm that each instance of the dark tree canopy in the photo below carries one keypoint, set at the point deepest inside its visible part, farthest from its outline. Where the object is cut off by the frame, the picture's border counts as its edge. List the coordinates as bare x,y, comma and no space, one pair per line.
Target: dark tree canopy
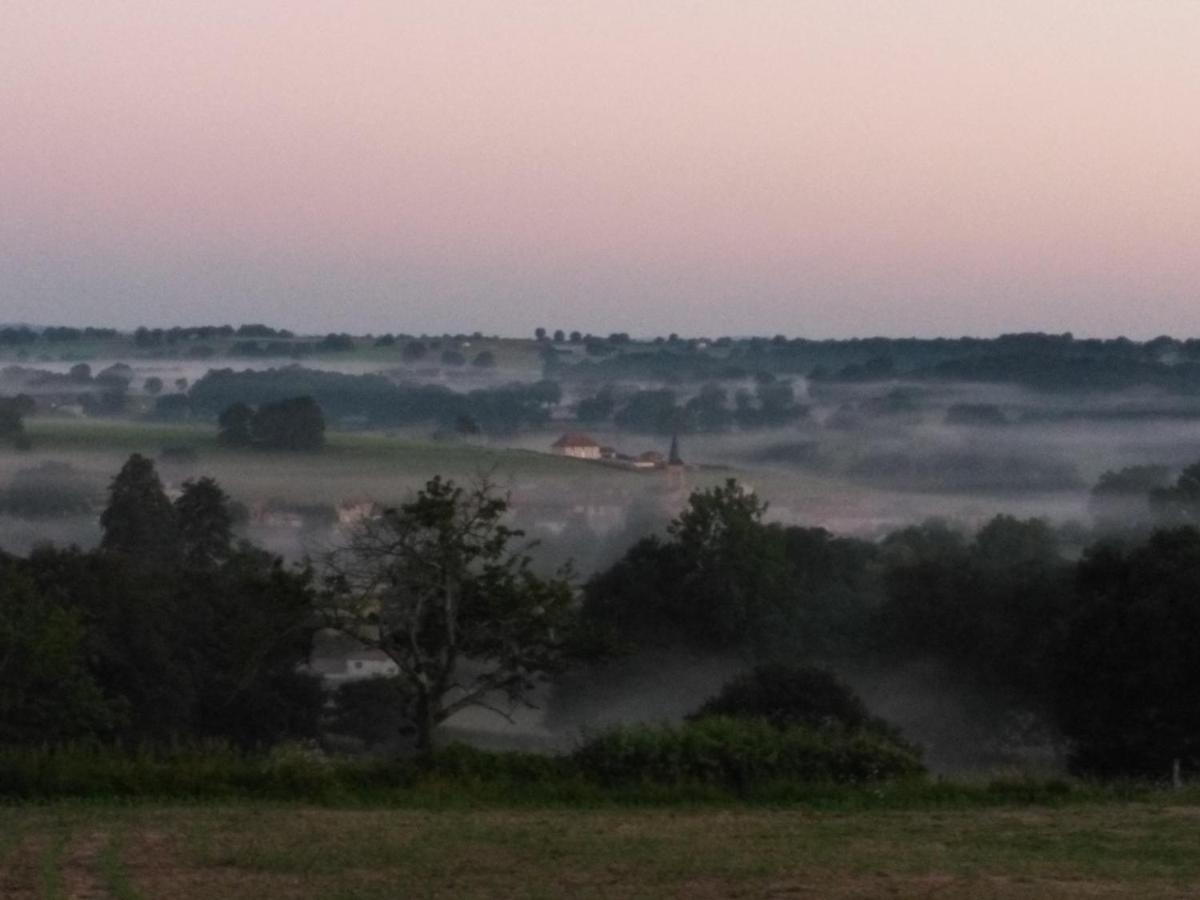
234,425
47,693
717,581
170,631
1128,673
139,520
205,523
987,608
293,424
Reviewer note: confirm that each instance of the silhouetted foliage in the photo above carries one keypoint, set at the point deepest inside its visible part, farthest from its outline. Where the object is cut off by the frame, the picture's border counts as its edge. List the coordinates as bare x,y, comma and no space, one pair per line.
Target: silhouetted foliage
296,423
786,695
168,631
1128,673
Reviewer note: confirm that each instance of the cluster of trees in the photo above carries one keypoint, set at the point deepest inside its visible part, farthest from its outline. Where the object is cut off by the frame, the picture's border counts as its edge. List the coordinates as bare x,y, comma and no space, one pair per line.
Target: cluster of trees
154,337
103,393
294,423
373,400
173,630
143,336
23,335
169,630
1100,648
615,339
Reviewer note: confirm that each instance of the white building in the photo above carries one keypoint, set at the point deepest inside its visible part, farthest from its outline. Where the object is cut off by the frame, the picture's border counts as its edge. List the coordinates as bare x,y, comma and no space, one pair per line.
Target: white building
577,445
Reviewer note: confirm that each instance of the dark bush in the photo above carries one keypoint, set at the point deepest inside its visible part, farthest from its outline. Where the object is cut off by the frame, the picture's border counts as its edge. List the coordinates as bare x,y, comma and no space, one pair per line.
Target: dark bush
741,754
792,695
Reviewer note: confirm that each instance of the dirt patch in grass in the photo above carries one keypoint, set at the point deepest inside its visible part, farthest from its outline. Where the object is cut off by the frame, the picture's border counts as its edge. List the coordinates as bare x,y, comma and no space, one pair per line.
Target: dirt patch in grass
21,868
80,867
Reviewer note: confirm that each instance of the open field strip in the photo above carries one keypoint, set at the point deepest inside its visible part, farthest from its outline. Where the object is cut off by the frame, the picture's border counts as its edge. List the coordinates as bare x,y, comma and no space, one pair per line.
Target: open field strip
249,851
121,437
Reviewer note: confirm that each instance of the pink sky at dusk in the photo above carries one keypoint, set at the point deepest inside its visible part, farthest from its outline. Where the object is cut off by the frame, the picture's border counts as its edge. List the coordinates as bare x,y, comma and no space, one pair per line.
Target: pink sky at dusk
815,168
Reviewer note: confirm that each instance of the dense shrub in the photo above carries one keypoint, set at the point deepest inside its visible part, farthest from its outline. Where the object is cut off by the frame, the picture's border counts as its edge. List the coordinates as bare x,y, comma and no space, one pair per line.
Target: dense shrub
295,772
787,696
742,754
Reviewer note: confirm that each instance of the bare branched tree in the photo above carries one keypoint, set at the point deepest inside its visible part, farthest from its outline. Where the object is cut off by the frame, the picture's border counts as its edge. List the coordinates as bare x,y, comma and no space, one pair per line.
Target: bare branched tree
443,587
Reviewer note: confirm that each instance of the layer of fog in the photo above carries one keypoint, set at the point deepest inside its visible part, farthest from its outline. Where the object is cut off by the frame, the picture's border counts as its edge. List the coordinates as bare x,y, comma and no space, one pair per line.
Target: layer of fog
851,465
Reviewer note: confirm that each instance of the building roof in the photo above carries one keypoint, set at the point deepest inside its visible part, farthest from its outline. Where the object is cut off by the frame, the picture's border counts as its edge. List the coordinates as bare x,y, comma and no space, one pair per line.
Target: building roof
575,439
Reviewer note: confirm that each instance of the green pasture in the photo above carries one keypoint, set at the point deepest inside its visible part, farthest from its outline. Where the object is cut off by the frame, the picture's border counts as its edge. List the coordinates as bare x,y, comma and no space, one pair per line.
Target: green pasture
254,850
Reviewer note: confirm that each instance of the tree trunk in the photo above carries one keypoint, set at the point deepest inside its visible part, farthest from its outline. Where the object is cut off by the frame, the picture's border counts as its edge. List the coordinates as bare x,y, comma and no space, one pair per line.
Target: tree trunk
425,724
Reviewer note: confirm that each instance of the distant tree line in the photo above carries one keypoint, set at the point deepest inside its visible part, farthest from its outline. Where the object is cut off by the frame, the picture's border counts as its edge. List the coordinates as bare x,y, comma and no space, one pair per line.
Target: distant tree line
1038,361
376,401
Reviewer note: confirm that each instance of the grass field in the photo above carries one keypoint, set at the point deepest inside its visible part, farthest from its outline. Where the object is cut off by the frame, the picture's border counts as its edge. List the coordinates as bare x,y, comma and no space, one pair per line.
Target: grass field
247,851
350,463
123,436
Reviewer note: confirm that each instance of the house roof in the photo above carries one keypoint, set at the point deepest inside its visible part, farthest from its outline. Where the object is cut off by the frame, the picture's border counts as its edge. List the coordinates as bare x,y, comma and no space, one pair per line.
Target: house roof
575,439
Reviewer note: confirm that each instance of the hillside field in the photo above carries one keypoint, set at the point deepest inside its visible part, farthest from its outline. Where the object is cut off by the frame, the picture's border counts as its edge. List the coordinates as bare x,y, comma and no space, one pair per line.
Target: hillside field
246,852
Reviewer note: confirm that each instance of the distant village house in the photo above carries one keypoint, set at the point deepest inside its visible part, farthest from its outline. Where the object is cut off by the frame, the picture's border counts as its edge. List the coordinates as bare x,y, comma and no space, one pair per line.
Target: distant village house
577,445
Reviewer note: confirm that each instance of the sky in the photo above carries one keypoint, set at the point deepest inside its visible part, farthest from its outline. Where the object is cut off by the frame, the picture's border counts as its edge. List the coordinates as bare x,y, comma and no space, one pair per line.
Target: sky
822,169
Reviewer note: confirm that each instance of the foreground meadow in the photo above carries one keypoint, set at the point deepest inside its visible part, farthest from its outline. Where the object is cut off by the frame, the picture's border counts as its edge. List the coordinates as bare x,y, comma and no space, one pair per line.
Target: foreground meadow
252,851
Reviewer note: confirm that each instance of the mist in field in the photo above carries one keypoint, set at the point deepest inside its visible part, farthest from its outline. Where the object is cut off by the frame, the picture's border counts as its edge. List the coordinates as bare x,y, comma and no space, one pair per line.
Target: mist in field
858,459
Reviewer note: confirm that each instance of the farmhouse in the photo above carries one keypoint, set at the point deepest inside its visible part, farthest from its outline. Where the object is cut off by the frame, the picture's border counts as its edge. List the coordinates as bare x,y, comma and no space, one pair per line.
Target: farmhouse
577,445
